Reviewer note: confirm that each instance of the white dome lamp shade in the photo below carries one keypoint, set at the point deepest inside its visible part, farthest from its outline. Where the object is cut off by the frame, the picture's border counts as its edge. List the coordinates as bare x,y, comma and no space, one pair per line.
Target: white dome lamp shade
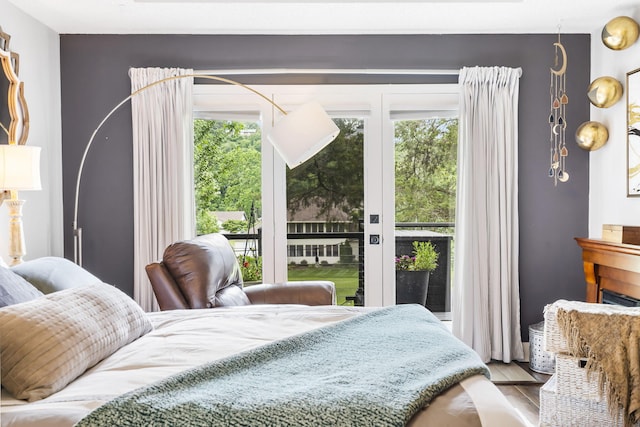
303,133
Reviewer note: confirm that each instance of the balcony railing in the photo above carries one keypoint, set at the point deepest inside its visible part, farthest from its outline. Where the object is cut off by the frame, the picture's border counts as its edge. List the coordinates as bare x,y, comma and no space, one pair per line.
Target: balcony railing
440,233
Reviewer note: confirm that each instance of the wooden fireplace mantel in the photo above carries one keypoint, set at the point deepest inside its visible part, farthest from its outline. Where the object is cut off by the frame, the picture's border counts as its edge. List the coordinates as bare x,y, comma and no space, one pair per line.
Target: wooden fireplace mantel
610,266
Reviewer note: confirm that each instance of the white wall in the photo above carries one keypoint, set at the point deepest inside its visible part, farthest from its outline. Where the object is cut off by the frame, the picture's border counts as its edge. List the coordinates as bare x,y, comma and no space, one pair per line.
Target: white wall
39,50
608,203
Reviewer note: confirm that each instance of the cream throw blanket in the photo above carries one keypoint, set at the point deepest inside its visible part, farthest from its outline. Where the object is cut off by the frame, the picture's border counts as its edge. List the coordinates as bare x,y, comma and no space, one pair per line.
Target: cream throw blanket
609,337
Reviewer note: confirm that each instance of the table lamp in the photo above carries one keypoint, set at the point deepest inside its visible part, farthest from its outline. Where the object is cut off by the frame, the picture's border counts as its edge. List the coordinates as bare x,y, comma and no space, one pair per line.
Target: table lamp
19,170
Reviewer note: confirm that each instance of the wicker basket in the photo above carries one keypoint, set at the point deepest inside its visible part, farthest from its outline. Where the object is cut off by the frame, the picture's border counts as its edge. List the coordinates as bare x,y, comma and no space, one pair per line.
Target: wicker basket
554,342
539,359
572,379
558,410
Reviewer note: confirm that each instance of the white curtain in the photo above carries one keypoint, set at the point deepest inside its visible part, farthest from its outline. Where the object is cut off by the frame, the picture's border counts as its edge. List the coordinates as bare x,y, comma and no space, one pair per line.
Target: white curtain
486,297
163,204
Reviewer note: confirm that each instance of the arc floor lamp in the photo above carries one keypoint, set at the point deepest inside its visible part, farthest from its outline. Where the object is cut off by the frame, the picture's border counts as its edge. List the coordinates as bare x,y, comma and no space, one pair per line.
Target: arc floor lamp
296,137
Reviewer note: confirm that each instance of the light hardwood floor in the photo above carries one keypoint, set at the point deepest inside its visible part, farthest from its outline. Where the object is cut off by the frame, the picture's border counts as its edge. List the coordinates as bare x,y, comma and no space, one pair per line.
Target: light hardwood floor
526,398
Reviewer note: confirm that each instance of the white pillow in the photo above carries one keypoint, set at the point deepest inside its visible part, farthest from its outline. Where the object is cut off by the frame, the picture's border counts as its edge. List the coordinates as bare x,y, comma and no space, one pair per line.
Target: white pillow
48,342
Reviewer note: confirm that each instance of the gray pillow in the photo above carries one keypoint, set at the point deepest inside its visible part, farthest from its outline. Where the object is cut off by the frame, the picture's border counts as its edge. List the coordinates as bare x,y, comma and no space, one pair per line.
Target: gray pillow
51,274
14,289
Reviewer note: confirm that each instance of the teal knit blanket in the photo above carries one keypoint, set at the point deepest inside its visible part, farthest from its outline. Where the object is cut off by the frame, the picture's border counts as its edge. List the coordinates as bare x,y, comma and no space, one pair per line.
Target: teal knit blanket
376,369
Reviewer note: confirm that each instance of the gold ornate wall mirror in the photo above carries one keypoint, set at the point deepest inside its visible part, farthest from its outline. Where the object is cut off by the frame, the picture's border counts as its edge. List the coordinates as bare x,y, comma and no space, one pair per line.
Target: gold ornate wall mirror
14,115
14,129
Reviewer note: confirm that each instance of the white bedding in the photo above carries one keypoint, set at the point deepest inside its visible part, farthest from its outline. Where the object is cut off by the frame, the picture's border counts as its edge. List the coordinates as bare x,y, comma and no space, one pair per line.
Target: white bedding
185,338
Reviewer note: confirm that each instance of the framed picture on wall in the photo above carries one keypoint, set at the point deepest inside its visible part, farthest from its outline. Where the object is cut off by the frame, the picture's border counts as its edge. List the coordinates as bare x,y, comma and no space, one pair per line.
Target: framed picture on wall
633,133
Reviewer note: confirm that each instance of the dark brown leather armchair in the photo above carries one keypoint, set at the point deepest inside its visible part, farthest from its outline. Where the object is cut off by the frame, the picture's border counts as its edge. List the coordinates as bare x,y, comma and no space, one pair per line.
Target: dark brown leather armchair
204,273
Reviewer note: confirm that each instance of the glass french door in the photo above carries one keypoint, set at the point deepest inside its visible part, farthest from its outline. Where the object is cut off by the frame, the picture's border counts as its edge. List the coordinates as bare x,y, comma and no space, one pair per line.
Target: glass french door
334,217
228,186
425,197
325,215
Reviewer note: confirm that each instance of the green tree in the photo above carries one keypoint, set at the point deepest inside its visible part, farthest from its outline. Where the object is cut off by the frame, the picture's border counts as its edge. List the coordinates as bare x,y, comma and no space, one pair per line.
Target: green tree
235,226
206,223
426,152
238,176
208,137
227,169
228,174
333,178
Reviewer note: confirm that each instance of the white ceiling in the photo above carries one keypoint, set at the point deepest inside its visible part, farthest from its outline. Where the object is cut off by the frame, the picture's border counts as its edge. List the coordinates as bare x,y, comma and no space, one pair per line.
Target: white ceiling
325,17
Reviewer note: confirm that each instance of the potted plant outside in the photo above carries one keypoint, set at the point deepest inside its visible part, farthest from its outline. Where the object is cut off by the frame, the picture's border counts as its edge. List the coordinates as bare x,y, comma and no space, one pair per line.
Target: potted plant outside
251,269
412,273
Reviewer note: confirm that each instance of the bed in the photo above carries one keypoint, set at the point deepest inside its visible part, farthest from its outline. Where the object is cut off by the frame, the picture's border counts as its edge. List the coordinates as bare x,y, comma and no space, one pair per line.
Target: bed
166,344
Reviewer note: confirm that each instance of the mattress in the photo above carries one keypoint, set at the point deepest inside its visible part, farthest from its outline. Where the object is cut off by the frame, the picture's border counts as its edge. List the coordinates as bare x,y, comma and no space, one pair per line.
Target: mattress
182,339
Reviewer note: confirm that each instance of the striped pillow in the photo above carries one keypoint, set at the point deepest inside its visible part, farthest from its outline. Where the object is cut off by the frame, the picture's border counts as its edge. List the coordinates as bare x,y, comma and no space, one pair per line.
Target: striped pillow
48,342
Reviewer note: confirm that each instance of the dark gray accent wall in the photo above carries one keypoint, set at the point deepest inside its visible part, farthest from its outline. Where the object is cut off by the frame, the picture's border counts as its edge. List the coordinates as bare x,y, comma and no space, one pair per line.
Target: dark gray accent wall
94,79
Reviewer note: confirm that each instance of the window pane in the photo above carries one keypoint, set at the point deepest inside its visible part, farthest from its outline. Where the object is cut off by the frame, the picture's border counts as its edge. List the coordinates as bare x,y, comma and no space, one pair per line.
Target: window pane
327,194
425,187
227,176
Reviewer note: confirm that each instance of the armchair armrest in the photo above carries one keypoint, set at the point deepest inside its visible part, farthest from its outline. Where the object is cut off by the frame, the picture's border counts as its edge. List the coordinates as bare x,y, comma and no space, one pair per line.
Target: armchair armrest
304,292
164,287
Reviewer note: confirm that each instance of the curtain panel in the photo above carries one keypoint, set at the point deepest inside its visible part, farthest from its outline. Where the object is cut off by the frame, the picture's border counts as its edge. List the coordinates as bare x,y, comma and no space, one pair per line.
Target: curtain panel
486,297
164,209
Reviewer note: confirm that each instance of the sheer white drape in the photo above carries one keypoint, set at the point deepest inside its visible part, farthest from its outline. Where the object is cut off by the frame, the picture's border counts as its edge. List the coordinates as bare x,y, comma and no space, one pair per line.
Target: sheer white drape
163,204
486,297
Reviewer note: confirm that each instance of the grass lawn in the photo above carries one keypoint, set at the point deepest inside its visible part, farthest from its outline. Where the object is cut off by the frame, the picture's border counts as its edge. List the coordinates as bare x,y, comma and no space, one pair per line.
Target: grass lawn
345,278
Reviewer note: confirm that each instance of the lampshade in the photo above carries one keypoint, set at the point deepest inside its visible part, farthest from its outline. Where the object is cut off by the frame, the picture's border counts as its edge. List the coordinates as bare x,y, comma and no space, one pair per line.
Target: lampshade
302,133
19,167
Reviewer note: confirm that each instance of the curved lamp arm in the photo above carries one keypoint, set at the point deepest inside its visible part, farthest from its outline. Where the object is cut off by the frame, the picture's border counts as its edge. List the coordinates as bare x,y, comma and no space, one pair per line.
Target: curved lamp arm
297,137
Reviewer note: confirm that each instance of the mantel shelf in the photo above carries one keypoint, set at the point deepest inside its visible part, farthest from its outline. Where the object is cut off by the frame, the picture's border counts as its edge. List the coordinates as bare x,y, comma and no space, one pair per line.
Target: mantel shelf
610,266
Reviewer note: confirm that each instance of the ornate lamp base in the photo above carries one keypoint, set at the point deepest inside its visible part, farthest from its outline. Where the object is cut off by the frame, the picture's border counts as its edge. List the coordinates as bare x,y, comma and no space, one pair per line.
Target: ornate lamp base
16,235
